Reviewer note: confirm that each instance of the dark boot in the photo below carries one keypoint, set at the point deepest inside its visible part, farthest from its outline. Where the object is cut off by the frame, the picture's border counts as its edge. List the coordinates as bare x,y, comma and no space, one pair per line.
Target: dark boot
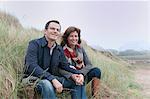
96,88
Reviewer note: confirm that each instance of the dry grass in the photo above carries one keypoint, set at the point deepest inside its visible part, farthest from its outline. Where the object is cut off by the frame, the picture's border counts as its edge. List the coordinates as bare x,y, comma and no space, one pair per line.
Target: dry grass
116,78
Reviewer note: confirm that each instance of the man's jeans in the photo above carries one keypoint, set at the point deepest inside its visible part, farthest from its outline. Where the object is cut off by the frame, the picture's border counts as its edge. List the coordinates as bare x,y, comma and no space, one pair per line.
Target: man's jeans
47,91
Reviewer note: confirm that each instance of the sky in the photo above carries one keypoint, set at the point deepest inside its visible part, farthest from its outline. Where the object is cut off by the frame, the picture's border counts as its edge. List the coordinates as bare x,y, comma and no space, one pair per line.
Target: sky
110,24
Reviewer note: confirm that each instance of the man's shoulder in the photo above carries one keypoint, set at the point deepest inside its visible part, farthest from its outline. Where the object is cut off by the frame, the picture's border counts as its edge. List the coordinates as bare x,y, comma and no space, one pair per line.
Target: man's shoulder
35,40
38,41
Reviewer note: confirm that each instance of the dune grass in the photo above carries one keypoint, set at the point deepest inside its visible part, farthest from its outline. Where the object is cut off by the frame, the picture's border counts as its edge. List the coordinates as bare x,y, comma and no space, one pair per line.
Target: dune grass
116,75
13,43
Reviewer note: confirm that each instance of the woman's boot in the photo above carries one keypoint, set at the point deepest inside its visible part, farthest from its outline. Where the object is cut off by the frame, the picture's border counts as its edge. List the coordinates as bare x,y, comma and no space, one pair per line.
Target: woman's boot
96,88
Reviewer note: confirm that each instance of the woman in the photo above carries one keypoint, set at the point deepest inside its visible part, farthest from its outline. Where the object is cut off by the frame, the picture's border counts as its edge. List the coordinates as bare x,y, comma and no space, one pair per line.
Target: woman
78,60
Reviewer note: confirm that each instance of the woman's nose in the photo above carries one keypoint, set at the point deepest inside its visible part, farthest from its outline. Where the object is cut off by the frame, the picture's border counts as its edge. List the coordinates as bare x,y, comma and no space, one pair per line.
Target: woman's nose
74,37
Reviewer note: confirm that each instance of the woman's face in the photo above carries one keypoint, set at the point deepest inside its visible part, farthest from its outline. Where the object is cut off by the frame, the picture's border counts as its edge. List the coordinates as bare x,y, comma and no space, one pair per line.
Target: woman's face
73,39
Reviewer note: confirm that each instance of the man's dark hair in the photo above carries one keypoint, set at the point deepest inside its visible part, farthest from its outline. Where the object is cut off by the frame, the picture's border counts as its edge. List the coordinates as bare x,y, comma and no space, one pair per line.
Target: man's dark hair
47,24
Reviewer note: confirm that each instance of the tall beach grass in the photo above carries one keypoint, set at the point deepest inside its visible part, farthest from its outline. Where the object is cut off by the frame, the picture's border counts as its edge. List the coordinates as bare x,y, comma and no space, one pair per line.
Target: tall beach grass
13,43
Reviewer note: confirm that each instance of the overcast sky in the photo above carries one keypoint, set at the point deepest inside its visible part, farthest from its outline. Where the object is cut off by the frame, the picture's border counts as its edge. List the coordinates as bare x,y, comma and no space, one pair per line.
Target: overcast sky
109,24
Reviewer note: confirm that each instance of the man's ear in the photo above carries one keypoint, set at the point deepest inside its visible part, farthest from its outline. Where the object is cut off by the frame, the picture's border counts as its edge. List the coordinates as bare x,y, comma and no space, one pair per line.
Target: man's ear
44,31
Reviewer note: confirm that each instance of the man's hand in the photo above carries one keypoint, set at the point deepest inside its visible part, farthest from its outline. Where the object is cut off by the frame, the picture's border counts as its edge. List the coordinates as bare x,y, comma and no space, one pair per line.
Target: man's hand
58,86
78,78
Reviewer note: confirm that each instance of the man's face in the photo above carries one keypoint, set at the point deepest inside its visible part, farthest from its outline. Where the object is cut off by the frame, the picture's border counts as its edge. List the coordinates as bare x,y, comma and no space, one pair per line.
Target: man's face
52,32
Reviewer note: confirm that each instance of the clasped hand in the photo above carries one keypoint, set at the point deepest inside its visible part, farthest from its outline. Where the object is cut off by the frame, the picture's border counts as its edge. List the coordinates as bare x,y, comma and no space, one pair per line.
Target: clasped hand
78,78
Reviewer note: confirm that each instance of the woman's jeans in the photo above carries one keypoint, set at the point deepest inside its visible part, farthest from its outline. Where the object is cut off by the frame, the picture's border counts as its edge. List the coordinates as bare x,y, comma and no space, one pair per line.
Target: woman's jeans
47,91
95,72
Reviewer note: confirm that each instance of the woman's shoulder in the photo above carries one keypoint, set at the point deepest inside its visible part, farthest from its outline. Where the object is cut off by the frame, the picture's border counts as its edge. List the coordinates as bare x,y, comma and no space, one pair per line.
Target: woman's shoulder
80,49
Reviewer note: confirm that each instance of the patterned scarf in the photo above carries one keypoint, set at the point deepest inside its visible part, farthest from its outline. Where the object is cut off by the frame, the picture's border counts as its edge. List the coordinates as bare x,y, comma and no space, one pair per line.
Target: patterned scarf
72,56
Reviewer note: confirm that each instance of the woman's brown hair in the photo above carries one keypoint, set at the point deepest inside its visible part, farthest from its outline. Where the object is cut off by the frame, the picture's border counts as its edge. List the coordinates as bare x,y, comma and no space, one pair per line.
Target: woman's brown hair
67,33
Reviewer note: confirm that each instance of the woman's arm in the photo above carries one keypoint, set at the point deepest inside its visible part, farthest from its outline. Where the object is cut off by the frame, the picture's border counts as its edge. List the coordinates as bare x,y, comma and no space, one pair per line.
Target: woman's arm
87,63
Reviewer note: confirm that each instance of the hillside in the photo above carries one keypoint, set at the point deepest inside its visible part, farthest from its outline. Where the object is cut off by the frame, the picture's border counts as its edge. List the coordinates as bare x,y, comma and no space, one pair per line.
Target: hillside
117,80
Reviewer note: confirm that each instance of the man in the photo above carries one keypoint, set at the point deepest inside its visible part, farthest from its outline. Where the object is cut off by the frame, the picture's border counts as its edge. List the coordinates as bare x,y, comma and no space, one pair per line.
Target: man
43,59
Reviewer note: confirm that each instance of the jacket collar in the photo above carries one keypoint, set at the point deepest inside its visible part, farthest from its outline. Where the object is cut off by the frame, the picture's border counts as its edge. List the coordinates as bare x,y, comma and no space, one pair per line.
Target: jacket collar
44,43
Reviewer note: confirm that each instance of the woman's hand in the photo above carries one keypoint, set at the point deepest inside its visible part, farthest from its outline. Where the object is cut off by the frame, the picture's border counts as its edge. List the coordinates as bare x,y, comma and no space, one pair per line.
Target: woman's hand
81,79
78,78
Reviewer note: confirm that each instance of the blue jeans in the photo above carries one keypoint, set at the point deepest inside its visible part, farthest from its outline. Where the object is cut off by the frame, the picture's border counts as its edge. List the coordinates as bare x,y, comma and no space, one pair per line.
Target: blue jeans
95,72
47,91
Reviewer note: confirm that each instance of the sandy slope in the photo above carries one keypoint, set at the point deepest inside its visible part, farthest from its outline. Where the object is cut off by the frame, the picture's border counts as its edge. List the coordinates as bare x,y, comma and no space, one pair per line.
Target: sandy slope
142,75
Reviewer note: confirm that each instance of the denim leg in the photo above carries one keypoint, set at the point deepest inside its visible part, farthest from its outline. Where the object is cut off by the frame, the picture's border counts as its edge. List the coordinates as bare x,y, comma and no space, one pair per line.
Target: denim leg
80,92
83,92
77,91
95,72
45,89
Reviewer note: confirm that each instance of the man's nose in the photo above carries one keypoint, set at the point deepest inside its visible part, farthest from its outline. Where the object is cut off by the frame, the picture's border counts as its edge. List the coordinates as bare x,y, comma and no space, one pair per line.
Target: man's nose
55,30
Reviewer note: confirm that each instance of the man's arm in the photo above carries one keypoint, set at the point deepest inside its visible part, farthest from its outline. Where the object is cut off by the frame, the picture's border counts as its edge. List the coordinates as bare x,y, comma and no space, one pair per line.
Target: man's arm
31,63
64,64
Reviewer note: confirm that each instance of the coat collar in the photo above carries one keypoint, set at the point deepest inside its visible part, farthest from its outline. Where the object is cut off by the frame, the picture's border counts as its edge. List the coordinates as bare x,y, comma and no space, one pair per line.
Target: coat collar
44,43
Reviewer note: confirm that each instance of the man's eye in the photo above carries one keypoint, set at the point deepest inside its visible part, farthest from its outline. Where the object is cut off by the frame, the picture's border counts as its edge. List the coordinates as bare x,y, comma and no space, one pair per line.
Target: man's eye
58,30
52,28
55,29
